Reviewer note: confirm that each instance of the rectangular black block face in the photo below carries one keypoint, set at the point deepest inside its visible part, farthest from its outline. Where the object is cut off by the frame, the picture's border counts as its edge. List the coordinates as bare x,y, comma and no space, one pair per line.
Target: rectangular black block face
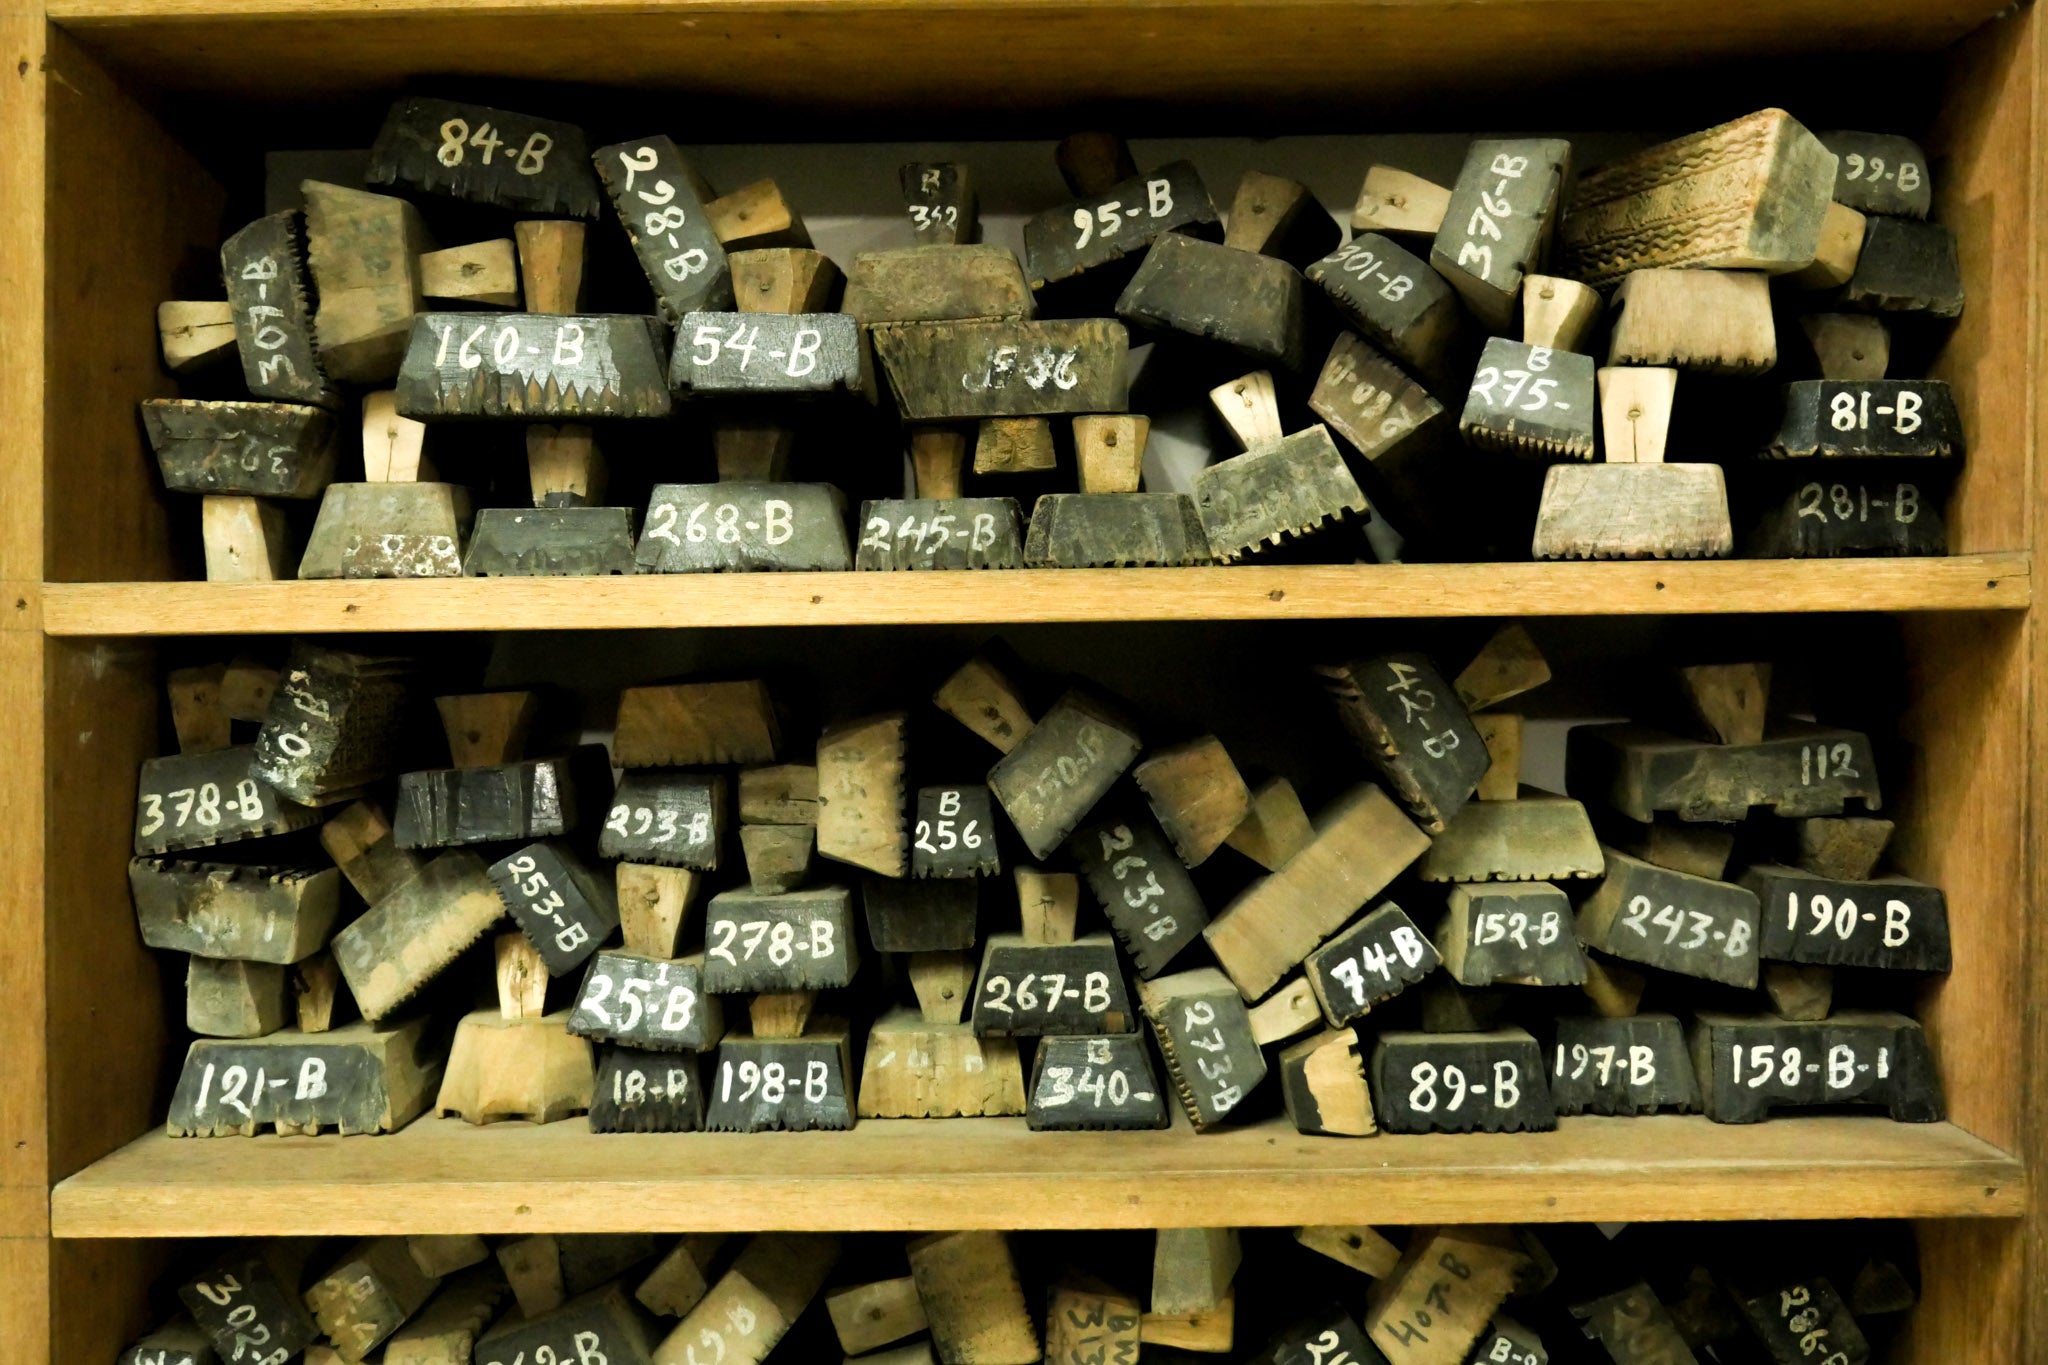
1799,770
535,367
933,916
564,910
780,355
744,527
798,941
1094,1082
1326,1337
1460,1083
534,166
1802,1320
646,1092
940,533
1907,267
1293,487
957,371
1211,1055
643,1003
1144,889
266,450
228,1086
1531,400
1748,1066
246,1312
1680,923
779,1084
1627,1066
665,816
1033,990
1413,728
1829,419
447,807
1514,932
655,197
263,267
550,542
581,1330
1063,242
1050,781
1393,299
955,833
1891,923
1373,961
1497,226
195,800
1208,292
1853,510
1880,173
1115,530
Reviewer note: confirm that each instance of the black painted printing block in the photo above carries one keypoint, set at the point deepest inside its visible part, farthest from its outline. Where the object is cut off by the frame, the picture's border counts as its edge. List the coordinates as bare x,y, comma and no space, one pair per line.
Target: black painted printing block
646,1092
1030,990
953,371
1290,488
939,197
1880,173
798,941
564,910
236,911
357,1078
955,833
195,800
176,1342
1893,923
603,1322
744,527
1801,770
1412,727
266,450
1063,242
1326,1335
1373,961
335,722
550,542
447,807
534,166
1205,1035
1144,889
781,355
1531,400
1868,419
786,1084
1115,530
666,816
1094,1082
647,1004
940,533
1691,925
1056,774
654,192
920,917
246,1307
1498,224
1506,1342
1517,933
264,269
1240,299
1369,400
1625,1067
1461,1083
1394,299
538,367
1750,1065
1853,513
1907,267
1802,1320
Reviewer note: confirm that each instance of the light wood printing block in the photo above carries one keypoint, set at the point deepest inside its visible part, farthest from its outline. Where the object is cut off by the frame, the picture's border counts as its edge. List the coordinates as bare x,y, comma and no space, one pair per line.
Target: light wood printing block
1633,1325
678,1283
405,939
861,818
388,530
1357,1246
1894,923
195,800
251,1294
197,715
363,249
1447,1287
534,367
799,941
1700,849
1852,514
1086,1319
1622,1066
1786,1314
1633,511
779,794
1020,445
1635,412
756,217
920,916
1371,962
368,1294
778,857
1195,791
1114,530
487,728
1394,300
447,1328
1206,1038
1849,347
1073,238
744,526
940,533
195,334
1047,904
1847,849
1532,401
972,1299
1393,200
550,542
530,165
800,355
1802,770
676,819
245,539
1558,312
1275,828
1502,733
1240,299
360,842
754,1303
656,195
1461,1083
563,908
1516,934
1713,321
1084,1082
478,273
917,1069
1880,173
1747,195
1037,990
1144,890
1498,223
980,697
1056,774
1290,1010
1413,729
528,1068
1749,1065
1841,243
686,724
265,450
647,1004
446,807
1368,400
646,1092
955,833
1880,418
1322,1084
601,1322
1681,923
354,1079
865,1316
263,267
232,910
1265,495
782,1084
950,371
938,284
1907,267
939,197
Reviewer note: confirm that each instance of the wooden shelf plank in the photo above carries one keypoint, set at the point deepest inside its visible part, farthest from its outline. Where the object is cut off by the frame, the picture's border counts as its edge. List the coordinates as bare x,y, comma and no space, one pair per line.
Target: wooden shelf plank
1994,582
443,1175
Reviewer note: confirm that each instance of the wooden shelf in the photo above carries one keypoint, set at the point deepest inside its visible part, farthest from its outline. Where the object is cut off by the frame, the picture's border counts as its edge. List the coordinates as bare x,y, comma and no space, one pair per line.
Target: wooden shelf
443,1175
1994,582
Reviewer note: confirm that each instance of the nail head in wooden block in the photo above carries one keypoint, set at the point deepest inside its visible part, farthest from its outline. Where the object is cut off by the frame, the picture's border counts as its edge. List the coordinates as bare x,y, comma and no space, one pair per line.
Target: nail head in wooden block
1054,776
1623,1067
1871,419
973,1301
1868,1057
1356,1246
1393,200
646,1092
1850,347
660,203
446,1330
196,334
1368,400
1089,1320
487,728
1501,732
1368,964
1635,412
1633,1325
1413,729
222,801
1291,1009
1613,988
1558,312
939,197
696,724
1500,1073
1674,921
980,697
679,1280
1109,452
360,841
1498,223
1275,216
1106,1081
1205,1036
1394,299
943,983
778,856
1322,1084
265,450
866,1316
1195,791
949,371
784,280
251,1287
355,1079
233,910
1362,842
1250,303
919,1067
1125,217
754,217
1907,267
1531,401
534,799
534,367
1732,701
368,1294
479,273
1020,445
798,941
646,1003
861,818
1249,408
1633,511
1844,848
388,530
263,267
1014,998
1143,888
773,526
1517,934
1115,530
499,1068
227,998
906,916
955,833
818,1091
938,284
1889,923
1275,827
1799,993
394,447
562,907
1253,501
653,902
666,816
1880,173
363,249
1802,770
1834,260
1047,903
246,540
408,937
488,156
